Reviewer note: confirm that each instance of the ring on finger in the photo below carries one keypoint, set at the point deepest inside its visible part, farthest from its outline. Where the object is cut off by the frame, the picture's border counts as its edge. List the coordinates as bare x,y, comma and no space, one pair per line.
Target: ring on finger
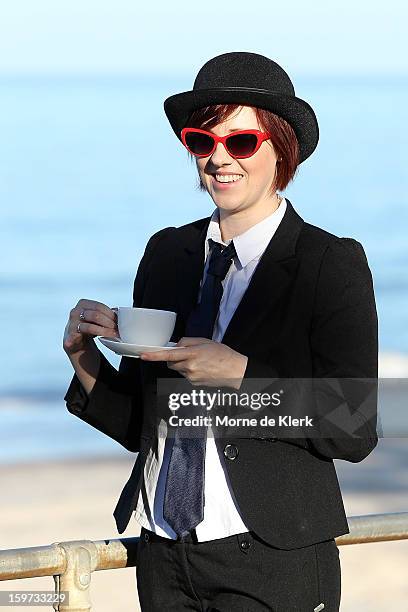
82,315
78,329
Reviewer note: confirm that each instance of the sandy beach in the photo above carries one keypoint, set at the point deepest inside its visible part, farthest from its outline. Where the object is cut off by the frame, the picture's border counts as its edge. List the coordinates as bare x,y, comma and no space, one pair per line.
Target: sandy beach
69,500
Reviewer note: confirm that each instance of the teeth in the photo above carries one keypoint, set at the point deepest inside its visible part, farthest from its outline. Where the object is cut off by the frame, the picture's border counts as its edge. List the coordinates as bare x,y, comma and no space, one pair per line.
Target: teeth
229,178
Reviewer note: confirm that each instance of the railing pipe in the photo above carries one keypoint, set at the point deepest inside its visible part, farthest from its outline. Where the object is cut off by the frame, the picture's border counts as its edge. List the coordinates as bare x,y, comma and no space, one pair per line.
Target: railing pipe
376,528
71,563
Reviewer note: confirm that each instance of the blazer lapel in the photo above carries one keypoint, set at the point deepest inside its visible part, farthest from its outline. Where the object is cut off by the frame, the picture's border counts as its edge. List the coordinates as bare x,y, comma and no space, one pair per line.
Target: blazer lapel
266,294
268,287
190,268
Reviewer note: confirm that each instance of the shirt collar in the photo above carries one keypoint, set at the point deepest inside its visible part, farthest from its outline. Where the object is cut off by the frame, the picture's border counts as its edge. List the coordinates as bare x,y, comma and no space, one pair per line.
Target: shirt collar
253,241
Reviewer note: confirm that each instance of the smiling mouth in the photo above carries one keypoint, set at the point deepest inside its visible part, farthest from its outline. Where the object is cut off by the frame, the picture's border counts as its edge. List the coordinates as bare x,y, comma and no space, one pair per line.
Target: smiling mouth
227,179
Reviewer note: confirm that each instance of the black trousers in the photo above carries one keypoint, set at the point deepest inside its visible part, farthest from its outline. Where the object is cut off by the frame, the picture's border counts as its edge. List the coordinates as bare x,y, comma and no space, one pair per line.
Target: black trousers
236,574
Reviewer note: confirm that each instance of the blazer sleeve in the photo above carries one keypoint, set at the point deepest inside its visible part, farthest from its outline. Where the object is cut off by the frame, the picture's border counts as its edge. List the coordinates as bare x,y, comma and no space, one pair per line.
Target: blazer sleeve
115,403
344,347
344,343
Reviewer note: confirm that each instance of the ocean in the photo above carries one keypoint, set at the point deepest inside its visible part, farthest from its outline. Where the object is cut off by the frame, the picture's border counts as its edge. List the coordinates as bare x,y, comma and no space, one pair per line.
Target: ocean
90,169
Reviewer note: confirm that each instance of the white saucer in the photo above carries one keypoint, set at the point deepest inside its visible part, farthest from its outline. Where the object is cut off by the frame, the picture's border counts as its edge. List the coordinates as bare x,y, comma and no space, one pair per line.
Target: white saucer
133,350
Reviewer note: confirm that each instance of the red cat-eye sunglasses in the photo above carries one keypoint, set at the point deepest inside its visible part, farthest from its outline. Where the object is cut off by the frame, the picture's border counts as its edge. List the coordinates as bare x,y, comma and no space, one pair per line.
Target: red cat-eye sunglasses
240,144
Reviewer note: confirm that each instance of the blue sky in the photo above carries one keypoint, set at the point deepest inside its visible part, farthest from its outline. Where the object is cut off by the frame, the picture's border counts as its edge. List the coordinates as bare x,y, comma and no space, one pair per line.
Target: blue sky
127,36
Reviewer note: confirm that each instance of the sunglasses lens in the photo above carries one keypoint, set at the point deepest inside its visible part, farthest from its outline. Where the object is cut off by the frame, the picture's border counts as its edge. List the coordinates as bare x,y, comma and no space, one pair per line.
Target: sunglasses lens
242,144
199,144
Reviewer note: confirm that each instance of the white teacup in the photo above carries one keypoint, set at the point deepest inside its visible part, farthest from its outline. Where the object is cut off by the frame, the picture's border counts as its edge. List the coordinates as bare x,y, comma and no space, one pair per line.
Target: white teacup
145,326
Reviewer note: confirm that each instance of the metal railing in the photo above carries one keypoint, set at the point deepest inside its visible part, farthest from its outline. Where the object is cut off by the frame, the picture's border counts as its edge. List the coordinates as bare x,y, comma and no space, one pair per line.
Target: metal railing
71,563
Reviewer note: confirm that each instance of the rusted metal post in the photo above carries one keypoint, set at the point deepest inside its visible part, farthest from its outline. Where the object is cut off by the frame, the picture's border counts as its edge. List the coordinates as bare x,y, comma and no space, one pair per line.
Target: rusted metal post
81,559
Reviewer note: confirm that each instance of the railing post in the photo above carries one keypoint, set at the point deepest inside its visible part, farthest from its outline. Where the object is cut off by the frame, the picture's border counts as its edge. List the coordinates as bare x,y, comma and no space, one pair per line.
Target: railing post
81,560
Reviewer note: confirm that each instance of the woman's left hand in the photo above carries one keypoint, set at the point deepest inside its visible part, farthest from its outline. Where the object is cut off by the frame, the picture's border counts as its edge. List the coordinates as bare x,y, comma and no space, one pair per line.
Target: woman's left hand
204,362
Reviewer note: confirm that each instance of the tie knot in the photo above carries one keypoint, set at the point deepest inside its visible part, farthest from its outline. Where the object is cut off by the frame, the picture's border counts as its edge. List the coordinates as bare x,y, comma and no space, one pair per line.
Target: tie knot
221,257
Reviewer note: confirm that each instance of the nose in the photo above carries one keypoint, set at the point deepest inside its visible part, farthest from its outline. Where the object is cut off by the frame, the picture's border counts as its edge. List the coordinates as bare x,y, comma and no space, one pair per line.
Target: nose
220,155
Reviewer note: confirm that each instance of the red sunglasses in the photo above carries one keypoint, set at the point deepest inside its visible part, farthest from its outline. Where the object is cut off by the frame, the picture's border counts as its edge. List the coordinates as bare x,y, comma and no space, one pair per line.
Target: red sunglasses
240,144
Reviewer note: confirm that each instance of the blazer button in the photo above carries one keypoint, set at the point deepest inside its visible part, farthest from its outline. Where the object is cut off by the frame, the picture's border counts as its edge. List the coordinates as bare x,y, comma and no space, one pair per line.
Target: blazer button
245,544
231,451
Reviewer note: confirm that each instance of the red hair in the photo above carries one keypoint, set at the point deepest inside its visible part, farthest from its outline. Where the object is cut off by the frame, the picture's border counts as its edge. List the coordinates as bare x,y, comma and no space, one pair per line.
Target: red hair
283,137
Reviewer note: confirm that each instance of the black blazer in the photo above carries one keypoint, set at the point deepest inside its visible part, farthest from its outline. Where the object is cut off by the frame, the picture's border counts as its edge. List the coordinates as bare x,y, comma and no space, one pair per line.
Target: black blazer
309,311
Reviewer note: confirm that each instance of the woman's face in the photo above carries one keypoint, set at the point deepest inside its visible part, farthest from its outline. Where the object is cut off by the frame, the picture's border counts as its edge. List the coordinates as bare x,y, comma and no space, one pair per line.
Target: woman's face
257,172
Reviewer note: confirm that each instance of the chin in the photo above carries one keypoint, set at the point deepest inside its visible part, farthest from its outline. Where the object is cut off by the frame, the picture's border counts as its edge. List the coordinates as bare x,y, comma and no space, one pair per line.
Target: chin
228,206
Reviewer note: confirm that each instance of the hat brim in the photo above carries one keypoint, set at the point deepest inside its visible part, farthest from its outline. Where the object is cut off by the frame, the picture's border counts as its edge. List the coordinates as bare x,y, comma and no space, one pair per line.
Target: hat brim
298,113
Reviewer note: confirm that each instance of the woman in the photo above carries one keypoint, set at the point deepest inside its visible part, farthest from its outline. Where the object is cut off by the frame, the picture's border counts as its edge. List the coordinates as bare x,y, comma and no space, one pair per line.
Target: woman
244,519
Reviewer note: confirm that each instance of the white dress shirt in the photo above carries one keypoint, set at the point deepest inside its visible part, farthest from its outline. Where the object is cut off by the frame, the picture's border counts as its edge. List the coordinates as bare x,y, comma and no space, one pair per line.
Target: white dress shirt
222,517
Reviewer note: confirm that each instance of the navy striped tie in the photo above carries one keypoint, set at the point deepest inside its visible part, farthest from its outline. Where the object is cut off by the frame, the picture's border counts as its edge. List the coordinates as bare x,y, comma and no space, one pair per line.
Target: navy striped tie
184,494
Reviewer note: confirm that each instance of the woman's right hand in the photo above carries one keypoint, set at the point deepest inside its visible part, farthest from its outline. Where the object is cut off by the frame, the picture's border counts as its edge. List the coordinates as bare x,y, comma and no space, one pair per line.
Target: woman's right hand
98,320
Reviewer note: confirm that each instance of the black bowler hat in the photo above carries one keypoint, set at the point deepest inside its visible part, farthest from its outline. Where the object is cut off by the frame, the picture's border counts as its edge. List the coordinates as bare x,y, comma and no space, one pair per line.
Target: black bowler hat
249,79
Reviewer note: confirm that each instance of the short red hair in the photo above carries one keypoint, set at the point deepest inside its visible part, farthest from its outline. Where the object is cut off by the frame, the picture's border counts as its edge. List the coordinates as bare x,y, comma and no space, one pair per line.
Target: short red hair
283,137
